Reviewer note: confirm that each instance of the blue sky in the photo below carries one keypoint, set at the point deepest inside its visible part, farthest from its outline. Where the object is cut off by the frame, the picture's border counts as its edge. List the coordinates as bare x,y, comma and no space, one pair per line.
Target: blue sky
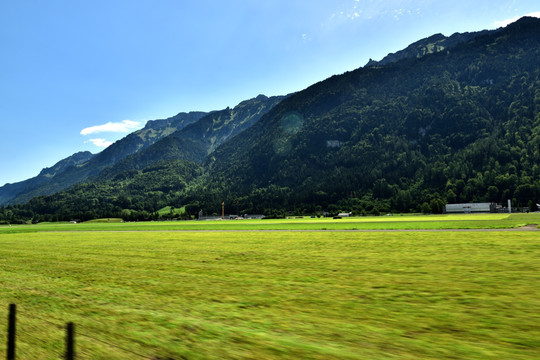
78,75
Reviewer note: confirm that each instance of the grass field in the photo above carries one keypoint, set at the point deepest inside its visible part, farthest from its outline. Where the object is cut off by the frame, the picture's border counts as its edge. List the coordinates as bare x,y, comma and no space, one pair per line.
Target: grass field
162,294
407,222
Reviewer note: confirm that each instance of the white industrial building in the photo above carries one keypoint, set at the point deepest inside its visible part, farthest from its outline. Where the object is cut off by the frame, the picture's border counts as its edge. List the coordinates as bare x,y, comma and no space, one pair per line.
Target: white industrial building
471,208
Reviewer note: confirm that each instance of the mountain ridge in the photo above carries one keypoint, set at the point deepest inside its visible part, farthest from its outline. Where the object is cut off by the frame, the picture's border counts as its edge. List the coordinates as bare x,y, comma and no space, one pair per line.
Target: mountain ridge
153,131
197,140
432,44
10,190
460,125
188,136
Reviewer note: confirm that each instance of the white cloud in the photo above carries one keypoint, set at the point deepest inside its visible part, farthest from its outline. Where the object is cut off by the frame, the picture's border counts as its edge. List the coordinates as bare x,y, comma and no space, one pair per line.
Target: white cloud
124,126
506,22
306,38
100,142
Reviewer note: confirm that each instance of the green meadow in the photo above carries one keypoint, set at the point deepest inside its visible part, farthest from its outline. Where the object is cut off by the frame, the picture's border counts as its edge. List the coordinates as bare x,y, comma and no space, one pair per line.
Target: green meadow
395,222
163,293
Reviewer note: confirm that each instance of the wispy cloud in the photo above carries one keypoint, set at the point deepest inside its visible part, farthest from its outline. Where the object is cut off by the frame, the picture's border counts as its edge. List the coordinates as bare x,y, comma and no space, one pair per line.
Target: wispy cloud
399,13
100,142
124,126
506,22
306,38
356,10
348,11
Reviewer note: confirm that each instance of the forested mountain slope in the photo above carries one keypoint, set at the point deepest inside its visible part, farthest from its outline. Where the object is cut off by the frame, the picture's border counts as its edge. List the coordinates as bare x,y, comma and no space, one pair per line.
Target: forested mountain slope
458,125
158,175
10,191
78,171
195,141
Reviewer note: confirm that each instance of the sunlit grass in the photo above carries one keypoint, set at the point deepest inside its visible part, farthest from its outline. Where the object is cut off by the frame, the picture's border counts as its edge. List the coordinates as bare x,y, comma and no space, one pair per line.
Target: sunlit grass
105,220
397,222
264,295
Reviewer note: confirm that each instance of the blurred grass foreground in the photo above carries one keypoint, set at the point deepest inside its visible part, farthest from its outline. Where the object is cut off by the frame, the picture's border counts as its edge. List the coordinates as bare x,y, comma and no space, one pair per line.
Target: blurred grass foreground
273,295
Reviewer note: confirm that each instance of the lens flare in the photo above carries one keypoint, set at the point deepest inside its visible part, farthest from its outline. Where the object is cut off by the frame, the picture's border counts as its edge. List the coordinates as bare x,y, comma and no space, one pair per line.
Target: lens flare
292,123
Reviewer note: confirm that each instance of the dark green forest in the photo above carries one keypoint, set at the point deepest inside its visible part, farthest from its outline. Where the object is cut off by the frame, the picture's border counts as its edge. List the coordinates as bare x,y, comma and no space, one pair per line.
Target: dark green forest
459,125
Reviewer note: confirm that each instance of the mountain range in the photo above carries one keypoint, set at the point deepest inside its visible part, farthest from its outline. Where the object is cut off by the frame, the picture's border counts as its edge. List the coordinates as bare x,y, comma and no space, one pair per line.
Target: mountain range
188,136
447,119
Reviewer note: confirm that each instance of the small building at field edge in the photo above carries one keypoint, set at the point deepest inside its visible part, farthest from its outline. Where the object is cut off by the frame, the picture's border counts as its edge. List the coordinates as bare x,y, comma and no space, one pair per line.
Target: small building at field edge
471,208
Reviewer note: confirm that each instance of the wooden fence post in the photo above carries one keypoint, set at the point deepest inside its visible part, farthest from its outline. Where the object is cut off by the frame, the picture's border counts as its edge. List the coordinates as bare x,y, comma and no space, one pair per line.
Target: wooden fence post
11,332
70,341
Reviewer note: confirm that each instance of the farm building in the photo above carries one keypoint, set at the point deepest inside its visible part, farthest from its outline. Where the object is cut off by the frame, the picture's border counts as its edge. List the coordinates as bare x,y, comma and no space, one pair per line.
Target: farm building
471,208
